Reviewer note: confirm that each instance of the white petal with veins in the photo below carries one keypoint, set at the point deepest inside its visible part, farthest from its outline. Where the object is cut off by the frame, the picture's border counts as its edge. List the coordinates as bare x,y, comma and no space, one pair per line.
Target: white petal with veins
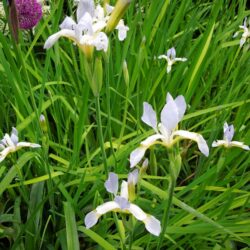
138,213
181,106
14,136
163,57
101,42
27,144
136,156
219,143
124,190
122,30
153,225
107,207
151,140
68,23
85,6
169,115
91,219
54,38
149,116
111,184
202,144
228,132
5,152
239,145
133,177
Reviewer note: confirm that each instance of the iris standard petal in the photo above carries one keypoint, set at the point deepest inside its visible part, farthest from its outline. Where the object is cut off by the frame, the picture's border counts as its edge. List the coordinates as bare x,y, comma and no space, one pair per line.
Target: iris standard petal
228,132
145,163
181,106
108,8
68,23
171,53
245,22
85,24
149,116
225,127
99,13
202,144
111,184
91,219
169,97
169,115
85,6
124,190
133,177
153,225
14,136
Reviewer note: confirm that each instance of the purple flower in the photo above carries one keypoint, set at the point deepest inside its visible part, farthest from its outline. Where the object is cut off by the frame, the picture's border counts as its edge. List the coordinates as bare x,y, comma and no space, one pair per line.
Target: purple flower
29,13
227,139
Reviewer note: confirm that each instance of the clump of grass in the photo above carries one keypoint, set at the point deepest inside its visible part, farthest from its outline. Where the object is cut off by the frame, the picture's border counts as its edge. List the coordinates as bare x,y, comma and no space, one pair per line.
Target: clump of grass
46,193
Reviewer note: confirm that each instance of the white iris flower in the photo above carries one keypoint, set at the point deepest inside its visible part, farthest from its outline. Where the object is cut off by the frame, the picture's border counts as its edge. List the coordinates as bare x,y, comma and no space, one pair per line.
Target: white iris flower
246,32
122,204
171,114
87,31
171,58
10,144
227,139
122,30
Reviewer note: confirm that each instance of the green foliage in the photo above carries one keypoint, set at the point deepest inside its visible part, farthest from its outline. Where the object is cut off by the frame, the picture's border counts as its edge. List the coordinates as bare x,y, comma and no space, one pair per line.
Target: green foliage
45,194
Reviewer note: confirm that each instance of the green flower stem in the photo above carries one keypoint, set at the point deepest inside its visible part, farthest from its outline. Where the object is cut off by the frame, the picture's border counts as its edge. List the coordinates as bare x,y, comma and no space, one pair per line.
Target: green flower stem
175,165
123,247
109,111
166,214
235,57
100,134
124,118
131,240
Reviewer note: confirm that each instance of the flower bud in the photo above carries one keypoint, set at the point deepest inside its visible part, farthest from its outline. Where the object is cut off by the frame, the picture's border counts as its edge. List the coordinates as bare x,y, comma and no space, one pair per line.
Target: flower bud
43,124
132,181
118,12
96,83
87,50
125,73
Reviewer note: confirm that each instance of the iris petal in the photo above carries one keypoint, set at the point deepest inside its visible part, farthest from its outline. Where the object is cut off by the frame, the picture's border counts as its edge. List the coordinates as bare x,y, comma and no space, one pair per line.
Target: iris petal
111,184
202,145
149,116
